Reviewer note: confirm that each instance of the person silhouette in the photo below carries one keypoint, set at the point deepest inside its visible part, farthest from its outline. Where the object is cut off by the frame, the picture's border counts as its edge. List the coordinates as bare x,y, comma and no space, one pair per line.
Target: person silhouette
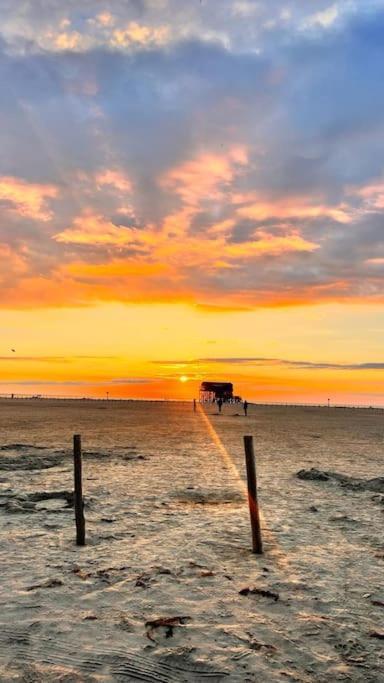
219,404
245,408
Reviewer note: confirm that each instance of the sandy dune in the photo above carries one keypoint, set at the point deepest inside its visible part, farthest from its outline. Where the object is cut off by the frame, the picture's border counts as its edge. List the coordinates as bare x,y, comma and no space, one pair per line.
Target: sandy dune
157,594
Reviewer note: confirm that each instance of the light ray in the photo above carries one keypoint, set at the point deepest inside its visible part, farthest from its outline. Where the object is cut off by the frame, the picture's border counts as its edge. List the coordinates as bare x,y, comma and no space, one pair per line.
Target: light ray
276,551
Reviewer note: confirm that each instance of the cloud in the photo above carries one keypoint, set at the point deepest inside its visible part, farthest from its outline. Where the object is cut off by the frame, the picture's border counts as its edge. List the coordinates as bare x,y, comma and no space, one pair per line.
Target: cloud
133,380
43,382
245,8
371,194
26,199
325,18
79,383
235,164
375,261
288,208
135,34
206,177
274,362
115,179
238,24
13,263
16,358
173,247
96,230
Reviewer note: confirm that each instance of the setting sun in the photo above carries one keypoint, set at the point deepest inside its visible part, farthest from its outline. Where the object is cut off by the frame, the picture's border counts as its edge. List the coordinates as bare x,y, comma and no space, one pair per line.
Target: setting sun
184,378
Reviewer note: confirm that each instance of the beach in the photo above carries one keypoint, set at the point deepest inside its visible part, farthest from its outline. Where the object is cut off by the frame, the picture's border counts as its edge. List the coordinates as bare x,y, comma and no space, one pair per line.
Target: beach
167,588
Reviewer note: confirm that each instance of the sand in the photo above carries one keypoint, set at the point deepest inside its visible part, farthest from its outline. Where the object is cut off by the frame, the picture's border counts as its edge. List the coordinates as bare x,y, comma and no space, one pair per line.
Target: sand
159,593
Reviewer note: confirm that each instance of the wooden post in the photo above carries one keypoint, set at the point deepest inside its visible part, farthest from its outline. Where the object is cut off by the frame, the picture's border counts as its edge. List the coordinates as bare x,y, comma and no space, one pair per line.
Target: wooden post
257,546
79,504
194,405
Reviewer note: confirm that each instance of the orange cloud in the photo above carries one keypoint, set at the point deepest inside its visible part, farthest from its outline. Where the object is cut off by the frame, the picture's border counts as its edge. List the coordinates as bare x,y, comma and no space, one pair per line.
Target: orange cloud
180,250
105,19
260,208
69,40
159,262
116,269
95,230
205,177
13,264
115,179
375,261
270,244
140,34
372,195
27,199
81,284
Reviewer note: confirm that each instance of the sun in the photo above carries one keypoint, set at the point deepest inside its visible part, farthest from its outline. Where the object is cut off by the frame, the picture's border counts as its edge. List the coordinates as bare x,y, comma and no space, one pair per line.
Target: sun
184,378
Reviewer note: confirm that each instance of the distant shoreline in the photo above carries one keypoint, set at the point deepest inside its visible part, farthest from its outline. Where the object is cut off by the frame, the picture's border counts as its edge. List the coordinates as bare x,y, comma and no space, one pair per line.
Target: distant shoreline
36,399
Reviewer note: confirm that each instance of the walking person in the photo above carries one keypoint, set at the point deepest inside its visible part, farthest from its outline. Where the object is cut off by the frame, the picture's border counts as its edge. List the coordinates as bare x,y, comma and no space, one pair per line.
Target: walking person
245,408
220,404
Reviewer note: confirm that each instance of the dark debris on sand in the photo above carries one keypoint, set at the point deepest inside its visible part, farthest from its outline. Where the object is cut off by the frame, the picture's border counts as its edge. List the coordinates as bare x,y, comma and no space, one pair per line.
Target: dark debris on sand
19,456
343,480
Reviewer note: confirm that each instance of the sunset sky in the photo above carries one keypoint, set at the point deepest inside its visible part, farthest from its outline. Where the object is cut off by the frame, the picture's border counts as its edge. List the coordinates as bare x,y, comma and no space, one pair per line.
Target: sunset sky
192,190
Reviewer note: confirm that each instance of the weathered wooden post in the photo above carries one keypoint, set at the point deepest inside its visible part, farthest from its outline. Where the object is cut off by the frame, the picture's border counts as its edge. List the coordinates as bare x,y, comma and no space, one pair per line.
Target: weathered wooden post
78,497
257,545
194,405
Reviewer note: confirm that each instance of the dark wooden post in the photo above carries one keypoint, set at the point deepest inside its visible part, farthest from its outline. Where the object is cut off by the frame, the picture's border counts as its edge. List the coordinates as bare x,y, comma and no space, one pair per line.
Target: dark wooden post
194,405
257,546
79,504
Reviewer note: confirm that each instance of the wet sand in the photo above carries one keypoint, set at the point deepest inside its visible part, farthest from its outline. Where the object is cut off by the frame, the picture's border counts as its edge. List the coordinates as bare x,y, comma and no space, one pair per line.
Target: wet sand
157,594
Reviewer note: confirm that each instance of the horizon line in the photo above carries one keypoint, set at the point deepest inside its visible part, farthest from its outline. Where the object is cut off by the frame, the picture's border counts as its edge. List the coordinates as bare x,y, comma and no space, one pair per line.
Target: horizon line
109,399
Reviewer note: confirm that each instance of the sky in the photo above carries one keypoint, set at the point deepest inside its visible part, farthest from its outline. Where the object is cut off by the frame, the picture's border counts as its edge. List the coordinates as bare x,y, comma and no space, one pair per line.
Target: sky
192,190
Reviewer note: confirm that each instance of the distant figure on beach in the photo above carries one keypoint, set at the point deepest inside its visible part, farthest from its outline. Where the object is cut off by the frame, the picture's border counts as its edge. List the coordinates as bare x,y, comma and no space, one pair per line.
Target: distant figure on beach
245,407
219,404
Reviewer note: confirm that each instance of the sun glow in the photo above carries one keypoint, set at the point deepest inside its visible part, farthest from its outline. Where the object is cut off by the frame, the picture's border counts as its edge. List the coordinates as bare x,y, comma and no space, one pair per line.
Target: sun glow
184,378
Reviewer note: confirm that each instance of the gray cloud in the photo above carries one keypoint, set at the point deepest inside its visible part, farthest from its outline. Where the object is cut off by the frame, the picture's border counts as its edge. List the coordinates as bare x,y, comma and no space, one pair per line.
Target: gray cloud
262,361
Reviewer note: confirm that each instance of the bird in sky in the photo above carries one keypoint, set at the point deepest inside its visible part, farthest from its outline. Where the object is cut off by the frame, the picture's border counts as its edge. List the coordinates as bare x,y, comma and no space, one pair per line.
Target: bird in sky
13,350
